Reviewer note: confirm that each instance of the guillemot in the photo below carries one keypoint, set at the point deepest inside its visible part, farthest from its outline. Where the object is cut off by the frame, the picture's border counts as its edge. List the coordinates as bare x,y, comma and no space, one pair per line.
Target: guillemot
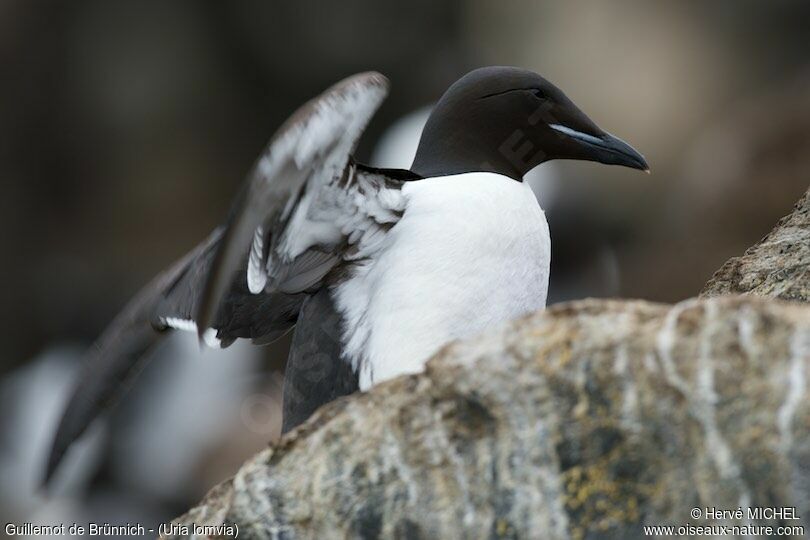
375,269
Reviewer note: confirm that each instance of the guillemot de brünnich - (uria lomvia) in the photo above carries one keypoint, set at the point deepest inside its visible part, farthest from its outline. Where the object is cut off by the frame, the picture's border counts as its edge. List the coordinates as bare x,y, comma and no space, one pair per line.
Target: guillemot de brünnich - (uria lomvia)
375,269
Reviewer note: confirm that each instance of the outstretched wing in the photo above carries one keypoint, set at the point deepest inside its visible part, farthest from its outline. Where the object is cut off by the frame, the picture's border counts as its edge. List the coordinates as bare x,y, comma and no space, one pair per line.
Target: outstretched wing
263,318
169,301
305,207
304,202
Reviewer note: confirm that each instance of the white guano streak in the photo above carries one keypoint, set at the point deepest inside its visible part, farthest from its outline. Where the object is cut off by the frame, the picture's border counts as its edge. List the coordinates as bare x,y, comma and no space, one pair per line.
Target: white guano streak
799,354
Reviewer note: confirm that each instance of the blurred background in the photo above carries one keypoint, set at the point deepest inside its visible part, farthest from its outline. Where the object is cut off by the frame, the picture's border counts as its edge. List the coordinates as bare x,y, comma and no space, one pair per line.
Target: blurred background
126,127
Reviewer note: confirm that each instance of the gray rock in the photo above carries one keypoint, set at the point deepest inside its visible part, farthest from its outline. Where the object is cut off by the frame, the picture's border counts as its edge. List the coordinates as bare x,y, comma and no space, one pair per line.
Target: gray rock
779,266
589,420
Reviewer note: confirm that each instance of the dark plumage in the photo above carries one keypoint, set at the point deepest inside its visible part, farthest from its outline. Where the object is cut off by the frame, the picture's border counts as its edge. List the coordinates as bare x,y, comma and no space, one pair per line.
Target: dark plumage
498,119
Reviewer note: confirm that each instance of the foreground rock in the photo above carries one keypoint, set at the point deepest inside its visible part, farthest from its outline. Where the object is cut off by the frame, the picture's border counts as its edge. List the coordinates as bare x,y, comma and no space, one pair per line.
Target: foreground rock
779,266
590,420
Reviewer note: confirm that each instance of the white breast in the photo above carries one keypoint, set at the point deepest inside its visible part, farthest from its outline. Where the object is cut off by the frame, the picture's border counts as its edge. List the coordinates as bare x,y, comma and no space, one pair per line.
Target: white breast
471,251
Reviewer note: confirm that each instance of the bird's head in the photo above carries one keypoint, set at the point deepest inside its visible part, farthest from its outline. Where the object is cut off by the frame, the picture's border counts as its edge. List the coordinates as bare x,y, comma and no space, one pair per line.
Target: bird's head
508,120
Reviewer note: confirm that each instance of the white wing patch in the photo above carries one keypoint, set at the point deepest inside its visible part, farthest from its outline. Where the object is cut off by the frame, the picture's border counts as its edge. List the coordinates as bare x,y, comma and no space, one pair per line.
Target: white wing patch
256,273
187,325
179,324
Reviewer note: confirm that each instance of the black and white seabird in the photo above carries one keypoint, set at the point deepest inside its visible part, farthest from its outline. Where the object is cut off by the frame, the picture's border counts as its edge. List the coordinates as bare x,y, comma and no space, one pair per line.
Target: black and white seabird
375,269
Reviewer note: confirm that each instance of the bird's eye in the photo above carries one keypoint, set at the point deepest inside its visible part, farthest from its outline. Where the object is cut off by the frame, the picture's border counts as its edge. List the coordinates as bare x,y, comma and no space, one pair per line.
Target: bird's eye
539,94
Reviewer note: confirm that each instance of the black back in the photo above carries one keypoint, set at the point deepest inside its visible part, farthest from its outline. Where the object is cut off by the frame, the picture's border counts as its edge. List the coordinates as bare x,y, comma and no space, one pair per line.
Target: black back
315,374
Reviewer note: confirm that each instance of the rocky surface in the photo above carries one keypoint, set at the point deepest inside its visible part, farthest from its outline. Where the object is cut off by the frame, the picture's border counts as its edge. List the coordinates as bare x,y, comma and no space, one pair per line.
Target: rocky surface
590,420
779,266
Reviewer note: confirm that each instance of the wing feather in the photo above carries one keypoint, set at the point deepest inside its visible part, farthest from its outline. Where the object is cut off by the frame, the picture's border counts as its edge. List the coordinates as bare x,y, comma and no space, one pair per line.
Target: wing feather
310,152
304,208
168,302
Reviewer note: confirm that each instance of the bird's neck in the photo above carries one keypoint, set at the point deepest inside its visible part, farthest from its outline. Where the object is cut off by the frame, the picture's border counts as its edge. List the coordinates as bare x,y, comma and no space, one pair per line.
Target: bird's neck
448,150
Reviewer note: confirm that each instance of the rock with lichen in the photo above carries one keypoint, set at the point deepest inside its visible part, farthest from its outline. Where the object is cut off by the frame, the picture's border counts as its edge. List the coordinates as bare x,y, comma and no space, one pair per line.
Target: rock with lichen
779,266
592,419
